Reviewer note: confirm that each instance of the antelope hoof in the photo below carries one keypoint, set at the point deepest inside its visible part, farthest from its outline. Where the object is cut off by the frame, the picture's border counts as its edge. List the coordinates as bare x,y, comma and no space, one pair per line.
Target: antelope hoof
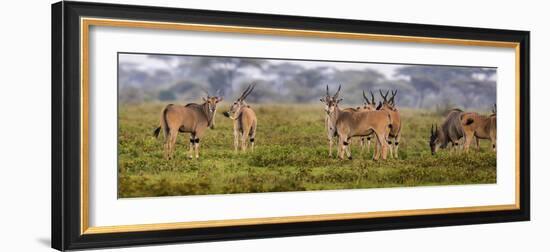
350,158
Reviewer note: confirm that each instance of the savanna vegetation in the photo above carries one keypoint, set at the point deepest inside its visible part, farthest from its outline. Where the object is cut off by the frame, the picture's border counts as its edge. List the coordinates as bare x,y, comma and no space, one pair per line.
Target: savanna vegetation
291,155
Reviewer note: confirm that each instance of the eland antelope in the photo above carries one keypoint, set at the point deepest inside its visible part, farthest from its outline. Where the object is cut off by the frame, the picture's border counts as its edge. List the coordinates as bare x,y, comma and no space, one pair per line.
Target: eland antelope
190,118
244,120
480,127
330,125
367,106
388,105
350,124
451,131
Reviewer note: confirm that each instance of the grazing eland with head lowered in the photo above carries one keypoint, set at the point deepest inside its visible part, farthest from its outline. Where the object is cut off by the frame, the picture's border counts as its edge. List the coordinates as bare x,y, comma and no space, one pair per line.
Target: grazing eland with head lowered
451,131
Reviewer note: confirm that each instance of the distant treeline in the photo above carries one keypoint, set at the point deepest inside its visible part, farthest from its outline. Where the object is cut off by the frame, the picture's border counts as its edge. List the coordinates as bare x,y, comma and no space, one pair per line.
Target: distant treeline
289,82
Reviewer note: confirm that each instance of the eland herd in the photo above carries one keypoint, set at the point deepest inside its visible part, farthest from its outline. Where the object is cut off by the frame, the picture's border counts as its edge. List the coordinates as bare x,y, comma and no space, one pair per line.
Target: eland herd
378,122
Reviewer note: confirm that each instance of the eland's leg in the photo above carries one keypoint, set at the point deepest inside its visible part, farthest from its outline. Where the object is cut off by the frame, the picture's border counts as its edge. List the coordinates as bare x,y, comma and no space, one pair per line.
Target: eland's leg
368,143
191,146
453,148
376,147
236,139
390,146
383,145
338,149
468,140
192,142
396,149
197,140
376,153
166,145
348,149
342,144
330,147
167,149
243,139
236,134
172,142
252,136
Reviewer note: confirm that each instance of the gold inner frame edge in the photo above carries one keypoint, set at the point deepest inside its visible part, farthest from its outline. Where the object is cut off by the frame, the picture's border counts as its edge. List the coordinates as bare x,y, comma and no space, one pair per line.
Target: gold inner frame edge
85,24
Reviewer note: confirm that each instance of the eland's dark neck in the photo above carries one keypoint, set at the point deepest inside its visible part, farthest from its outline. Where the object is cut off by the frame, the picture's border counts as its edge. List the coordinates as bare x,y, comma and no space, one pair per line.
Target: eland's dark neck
444,138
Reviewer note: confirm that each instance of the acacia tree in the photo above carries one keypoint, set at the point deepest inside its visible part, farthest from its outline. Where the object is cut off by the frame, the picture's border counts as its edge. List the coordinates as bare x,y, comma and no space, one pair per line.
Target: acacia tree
469,86
423,86
222,72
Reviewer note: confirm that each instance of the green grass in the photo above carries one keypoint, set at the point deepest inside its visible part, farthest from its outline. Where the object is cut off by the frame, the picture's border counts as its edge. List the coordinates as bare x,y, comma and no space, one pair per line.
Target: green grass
291,155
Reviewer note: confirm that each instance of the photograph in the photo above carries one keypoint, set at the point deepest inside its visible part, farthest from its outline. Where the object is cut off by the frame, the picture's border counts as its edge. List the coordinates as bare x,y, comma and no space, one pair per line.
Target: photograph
176,124
203,124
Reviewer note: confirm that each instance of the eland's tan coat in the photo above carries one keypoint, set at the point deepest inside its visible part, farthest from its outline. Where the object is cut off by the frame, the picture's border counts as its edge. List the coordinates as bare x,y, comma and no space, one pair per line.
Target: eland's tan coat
190,118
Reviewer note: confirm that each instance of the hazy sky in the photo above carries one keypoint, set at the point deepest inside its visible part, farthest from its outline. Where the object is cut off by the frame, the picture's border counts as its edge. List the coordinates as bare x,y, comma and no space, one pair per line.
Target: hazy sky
145,63
449,85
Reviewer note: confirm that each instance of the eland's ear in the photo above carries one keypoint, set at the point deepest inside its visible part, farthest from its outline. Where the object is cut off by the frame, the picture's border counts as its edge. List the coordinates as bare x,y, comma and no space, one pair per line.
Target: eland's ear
339,100
322,99
204,99
219,99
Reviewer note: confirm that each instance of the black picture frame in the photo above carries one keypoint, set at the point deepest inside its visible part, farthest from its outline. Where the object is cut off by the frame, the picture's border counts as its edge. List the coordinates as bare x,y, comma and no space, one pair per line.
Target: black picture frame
66,114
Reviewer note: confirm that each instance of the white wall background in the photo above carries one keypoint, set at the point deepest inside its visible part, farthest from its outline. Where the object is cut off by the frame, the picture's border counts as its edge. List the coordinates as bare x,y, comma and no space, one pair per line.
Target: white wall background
25,125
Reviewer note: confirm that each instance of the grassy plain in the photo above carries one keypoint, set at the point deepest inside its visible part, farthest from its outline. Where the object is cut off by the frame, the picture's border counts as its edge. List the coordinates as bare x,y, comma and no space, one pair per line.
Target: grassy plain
291,155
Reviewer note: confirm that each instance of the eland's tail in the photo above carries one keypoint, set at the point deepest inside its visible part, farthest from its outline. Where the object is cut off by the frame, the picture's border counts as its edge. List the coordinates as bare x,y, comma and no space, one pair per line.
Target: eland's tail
469,120
163,123
157,132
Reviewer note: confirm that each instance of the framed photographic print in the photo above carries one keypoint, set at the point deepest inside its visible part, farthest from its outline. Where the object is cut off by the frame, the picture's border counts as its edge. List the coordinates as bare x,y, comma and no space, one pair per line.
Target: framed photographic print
179,125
